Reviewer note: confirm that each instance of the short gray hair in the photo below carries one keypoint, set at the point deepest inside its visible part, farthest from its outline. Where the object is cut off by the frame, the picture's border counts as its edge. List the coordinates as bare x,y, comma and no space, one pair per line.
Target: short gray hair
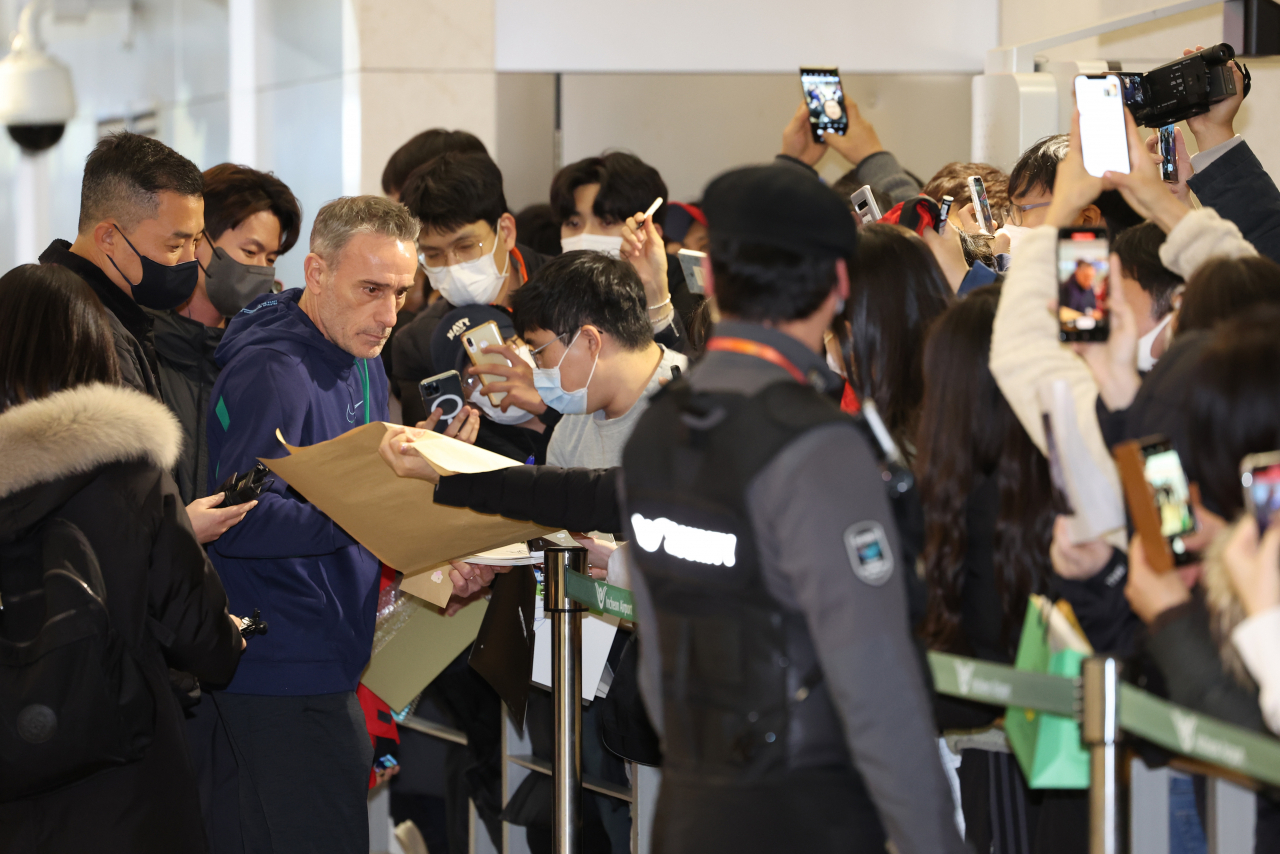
344,218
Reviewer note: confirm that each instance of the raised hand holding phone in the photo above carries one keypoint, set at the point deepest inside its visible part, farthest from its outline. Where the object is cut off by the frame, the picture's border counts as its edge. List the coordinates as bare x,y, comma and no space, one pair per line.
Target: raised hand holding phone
1142,187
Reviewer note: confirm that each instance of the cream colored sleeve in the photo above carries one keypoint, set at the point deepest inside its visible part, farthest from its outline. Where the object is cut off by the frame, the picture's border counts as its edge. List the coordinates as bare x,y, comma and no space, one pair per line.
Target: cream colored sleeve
1257,639
1026,352
1202,235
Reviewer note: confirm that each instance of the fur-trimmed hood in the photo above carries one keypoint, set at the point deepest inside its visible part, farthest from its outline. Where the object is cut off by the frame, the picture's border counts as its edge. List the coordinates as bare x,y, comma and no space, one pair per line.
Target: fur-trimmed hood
80,429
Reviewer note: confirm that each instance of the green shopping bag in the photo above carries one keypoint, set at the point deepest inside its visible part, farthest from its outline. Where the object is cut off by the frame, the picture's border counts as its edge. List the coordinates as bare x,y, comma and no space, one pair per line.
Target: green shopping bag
1048,747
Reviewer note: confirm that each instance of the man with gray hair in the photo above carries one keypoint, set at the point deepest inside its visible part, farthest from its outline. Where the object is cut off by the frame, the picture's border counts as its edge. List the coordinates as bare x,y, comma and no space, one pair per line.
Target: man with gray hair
306,362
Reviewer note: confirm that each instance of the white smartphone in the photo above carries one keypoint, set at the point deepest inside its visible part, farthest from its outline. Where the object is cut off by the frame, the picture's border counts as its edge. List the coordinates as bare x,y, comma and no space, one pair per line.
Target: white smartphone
474,341
1104,142
981,207
865,210
691,263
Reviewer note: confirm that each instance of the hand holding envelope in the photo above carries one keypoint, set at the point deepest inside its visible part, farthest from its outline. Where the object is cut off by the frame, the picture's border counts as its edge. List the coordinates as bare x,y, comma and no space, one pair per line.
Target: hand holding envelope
396,517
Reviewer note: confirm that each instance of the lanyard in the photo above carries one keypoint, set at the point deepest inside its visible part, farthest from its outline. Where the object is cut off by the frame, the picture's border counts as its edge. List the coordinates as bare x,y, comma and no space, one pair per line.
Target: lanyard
760,351
524,273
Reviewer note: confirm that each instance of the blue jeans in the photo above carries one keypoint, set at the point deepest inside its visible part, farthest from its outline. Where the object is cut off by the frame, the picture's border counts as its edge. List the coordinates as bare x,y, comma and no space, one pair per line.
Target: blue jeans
1186,833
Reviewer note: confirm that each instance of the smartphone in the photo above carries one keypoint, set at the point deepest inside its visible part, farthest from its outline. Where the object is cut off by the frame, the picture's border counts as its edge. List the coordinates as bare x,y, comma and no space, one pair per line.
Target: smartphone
385,763
1104,141
1163,472
1084,261
1260,477
474,341
691,264
824,96
865,210
981,207
1168,155
443,392
944,211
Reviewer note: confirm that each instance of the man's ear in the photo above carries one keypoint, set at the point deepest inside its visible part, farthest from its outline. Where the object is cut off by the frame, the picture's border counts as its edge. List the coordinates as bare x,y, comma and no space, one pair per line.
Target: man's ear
842,279
313,270
594,339
1091,216
105,237
507,228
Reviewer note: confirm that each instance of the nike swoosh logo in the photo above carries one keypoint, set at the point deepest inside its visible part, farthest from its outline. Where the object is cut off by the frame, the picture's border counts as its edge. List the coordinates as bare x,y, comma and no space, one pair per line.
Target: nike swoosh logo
351,412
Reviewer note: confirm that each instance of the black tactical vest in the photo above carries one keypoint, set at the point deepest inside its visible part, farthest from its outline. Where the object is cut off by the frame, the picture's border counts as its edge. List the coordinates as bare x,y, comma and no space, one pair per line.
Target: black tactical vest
737,669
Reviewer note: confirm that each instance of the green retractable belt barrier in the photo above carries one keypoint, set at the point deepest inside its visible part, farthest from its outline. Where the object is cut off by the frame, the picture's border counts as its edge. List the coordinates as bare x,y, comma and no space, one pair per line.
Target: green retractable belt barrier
1001,685
1173,727
1141,714
600,596
1199,736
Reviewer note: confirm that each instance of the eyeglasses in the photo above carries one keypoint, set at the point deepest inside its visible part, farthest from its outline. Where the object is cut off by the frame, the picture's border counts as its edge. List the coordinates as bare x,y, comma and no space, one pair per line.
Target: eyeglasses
1013,213
537,354
458,253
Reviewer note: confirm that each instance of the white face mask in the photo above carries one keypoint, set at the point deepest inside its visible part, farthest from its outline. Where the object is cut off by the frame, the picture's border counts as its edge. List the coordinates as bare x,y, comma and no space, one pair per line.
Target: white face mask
603,243
547,382
471,282
1146,361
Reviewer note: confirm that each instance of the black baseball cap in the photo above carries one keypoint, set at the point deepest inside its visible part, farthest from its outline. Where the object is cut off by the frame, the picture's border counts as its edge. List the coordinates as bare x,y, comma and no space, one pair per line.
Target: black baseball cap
447,352
782,205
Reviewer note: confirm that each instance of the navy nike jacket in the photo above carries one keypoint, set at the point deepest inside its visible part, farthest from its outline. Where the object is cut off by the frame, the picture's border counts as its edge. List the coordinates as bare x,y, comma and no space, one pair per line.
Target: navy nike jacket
316,587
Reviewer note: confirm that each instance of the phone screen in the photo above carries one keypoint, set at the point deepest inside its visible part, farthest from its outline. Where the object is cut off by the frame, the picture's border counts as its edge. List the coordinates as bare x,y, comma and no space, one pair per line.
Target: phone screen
981,207
1163,471
1084,263
1262,489
1103,139
1168,155
824,96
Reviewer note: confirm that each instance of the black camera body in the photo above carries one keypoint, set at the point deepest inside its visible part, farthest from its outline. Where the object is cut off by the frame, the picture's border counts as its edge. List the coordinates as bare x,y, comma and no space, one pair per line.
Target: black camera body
1186,87
242,490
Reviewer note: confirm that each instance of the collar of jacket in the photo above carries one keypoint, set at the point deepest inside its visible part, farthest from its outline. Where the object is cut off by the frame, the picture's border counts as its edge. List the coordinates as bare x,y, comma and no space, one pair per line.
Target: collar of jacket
131,315
80,429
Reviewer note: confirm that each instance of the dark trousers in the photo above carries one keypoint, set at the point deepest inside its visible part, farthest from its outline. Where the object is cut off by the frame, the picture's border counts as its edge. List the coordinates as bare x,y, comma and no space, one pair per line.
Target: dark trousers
304,772
214,762
815,812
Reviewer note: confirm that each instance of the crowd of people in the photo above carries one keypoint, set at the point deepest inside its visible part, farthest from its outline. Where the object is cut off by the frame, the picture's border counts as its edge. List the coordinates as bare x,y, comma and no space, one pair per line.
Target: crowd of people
826,456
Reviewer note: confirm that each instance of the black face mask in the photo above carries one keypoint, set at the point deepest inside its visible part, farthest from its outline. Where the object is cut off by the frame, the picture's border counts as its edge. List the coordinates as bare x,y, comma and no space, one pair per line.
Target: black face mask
161,287
232,285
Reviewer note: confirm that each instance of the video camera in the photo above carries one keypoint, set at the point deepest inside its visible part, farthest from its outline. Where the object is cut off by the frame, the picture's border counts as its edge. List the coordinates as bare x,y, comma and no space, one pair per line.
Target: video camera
1183,88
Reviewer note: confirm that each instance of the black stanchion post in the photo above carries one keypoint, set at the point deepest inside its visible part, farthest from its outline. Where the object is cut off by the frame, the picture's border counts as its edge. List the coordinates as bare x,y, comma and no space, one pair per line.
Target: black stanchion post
1108,802
566,690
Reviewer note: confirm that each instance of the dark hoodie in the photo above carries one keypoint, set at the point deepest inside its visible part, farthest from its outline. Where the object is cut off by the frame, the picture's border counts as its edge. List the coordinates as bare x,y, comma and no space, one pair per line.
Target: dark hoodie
317,588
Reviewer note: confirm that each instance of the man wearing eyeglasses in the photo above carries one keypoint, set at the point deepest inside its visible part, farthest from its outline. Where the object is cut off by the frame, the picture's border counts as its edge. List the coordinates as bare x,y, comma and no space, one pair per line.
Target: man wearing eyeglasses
468,250
1031,191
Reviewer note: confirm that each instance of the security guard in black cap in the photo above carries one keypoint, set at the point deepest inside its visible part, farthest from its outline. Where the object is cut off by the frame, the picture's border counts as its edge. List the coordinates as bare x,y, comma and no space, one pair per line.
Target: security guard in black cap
777,659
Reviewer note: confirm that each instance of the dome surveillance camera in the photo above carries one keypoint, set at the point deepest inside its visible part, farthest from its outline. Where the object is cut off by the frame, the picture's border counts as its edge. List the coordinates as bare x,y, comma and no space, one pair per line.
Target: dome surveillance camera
36,97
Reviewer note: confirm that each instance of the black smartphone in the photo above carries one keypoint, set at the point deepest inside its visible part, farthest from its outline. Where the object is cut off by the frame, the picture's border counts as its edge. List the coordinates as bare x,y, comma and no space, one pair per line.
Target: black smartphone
824,96
1260,477
443,392
1163,471
1168,155
1084,261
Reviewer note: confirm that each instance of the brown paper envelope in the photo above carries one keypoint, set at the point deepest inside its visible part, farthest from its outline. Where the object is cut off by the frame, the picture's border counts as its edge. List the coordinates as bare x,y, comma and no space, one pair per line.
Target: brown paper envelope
417,653
395,518
432,585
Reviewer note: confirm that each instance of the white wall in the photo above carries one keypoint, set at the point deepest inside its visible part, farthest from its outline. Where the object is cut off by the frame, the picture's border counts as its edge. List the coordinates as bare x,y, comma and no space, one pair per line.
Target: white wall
171,56
693,127
869,36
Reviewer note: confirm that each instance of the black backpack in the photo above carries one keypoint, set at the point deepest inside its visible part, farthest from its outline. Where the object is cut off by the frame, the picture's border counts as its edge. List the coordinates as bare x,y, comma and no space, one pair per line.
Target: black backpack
73,698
